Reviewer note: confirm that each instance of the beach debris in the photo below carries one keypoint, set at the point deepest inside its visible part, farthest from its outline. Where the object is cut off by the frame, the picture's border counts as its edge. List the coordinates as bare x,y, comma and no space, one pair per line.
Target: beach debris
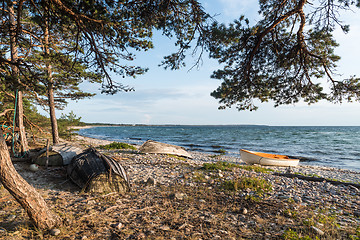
95,172
59,155
151,146
317,230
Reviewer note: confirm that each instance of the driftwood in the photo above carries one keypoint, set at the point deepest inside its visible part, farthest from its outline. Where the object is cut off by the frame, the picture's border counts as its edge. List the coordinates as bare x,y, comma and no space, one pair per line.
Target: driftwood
151,146
98,173
317,179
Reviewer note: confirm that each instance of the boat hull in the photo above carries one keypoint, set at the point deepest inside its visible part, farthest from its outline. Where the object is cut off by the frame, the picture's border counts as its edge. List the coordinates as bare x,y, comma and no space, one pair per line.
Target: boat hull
267,159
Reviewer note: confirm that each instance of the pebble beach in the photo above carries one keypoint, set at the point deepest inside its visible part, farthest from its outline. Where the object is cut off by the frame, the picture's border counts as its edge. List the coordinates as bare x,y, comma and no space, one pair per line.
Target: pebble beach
177,198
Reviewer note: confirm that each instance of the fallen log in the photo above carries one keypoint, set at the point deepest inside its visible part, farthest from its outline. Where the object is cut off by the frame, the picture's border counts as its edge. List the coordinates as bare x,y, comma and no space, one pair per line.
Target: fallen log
95,172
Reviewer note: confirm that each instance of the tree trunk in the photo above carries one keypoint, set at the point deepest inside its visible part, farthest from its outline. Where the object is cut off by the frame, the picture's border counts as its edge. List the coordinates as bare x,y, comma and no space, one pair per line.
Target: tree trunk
54,126
15,74
24,193
20,123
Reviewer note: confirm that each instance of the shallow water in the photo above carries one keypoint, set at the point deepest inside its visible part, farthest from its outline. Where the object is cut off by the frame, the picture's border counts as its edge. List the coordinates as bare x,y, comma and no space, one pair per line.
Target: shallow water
326,146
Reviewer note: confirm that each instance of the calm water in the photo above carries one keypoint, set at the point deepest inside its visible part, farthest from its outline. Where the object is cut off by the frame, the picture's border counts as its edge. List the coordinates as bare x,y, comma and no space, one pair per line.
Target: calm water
327,146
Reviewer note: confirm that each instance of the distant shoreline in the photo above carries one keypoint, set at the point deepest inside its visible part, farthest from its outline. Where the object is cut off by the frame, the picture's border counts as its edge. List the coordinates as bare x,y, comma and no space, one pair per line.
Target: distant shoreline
88,125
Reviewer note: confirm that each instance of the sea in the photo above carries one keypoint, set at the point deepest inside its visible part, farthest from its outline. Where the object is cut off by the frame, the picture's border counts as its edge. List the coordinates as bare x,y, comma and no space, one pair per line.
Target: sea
314,145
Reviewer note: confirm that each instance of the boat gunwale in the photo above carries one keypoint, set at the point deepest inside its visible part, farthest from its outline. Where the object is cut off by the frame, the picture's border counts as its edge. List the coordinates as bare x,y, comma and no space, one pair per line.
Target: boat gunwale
277,157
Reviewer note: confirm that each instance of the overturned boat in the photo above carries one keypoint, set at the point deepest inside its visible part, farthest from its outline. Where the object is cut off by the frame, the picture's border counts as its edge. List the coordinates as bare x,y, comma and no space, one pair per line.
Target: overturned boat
151,146
267,159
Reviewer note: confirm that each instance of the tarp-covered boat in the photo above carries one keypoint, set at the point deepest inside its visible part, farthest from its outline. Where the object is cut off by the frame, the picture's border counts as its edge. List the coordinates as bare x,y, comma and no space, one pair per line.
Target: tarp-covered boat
268,159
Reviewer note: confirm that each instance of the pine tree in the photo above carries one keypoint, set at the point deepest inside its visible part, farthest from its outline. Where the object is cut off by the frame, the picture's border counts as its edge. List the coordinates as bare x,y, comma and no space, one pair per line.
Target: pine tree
283,57
99,37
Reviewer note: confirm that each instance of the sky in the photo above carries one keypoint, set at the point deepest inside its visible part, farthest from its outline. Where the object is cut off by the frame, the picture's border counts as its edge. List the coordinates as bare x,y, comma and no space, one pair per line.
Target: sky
183,96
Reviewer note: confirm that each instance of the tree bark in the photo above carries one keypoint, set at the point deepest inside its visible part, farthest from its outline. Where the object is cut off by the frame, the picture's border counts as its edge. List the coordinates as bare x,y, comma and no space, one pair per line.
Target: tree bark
51,102
54,126
20,123
15,74
24,193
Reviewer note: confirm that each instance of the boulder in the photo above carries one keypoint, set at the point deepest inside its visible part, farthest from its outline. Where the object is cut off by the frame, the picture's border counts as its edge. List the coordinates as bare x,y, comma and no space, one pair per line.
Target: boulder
151,146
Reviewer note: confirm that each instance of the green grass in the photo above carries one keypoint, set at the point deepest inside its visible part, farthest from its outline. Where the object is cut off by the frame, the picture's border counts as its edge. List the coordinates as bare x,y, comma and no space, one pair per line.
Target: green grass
258,185
226,166
257,169
292,235
117,145
176,157
223,166
199,177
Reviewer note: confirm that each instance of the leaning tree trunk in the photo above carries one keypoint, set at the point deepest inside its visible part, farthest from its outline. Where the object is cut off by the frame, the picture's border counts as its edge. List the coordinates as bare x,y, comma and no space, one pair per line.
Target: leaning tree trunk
24,193
15,74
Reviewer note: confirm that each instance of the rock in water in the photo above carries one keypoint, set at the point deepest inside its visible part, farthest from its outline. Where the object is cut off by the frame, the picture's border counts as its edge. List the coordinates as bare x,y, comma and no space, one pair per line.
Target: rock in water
151,146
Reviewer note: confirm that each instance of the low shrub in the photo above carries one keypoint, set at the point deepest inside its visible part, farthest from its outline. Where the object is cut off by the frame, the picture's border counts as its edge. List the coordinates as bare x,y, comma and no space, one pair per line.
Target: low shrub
117,145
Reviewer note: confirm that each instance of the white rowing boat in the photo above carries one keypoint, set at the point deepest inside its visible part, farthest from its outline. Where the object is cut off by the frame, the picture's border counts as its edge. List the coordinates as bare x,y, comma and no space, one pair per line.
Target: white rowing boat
268,159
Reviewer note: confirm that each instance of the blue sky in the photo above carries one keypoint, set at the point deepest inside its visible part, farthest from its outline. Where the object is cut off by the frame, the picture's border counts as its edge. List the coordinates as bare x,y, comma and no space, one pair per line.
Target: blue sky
183,97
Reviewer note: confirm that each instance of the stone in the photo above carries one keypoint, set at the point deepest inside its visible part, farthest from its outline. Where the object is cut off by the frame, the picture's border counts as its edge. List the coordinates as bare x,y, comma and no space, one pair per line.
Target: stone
180,196
34,167
244,211
356,213
117,225
54,232
297,199
11,218
165,227
150,181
